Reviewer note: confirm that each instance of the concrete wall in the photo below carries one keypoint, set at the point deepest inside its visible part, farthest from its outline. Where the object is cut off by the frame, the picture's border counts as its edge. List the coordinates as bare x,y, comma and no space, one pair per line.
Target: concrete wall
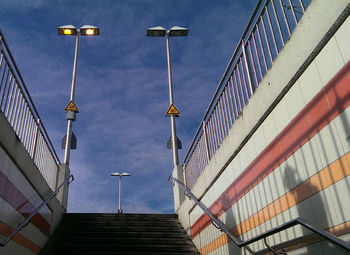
22,189
296,162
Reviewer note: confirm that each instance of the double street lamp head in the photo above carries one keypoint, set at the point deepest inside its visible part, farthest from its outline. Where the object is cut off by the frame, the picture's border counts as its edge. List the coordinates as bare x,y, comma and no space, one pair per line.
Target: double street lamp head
84,30
118,174
161,31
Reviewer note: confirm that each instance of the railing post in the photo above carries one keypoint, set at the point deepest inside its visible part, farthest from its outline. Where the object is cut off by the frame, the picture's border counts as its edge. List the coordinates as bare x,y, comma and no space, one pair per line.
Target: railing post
184,172
35,139
247,68
206,141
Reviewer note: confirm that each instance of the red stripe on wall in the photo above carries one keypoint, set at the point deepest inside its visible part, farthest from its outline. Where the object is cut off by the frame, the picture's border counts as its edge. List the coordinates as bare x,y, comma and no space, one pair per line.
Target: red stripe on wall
18,238
10,193
333,99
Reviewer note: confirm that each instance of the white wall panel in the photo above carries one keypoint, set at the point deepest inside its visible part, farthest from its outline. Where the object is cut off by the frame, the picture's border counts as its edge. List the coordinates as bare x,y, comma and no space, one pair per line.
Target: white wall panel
343,39
310,82
329,61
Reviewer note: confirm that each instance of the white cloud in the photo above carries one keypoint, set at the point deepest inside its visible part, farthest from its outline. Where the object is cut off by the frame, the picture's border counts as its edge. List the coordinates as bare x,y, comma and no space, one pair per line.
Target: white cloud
23,4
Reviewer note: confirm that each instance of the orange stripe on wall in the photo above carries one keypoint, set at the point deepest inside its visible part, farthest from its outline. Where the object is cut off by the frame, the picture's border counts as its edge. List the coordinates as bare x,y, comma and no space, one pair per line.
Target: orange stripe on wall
328,176
18,238
333,99
338,230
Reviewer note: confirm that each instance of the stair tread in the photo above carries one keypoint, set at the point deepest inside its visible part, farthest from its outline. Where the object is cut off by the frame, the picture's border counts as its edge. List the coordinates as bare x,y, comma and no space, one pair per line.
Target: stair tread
108,233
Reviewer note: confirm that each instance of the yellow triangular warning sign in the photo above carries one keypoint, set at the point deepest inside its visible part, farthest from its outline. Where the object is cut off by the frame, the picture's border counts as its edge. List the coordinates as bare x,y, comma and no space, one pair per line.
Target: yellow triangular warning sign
71,107
172,110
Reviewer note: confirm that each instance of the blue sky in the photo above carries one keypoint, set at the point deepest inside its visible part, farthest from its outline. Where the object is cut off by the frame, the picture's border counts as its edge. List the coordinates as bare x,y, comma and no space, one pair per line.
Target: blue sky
122,86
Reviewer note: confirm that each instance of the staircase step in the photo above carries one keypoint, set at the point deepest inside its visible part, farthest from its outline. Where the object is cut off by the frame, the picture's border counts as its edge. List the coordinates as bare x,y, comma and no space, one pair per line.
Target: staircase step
81,216
121,234
93,233
126,241
95,247
121,253
91,229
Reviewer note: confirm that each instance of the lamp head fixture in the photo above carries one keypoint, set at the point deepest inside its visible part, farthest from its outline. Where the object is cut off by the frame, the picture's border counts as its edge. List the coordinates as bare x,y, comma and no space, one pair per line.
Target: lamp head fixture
84,30
89,30
67,30
118,174
161,31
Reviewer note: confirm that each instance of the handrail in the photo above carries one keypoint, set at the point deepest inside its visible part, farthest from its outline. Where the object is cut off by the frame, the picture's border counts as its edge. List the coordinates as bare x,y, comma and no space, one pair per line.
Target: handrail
27,220
291,223
218,222
2,38
228,68
267,32
19,110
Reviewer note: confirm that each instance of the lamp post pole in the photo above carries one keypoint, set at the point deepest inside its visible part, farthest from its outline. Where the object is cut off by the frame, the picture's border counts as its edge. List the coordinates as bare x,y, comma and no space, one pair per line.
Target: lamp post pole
171,101
120,195
71,109
120,210
174,31
72,95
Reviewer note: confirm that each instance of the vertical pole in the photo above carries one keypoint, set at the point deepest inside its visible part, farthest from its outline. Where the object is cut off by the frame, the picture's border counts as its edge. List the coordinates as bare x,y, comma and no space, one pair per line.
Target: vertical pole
248,70
72,94
120,195
171,99
278,22
35,139
293,12
206,141
257,55
285,17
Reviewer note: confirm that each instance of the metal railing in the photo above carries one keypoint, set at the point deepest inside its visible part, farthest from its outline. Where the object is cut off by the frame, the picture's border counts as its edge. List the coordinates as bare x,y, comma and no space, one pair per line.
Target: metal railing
27,220
298,221
19,109
268,30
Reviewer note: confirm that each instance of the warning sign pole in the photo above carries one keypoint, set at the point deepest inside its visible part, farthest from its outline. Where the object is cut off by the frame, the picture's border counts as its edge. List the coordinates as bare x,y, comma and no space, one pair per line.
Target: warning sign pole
171,99
71,111
173,112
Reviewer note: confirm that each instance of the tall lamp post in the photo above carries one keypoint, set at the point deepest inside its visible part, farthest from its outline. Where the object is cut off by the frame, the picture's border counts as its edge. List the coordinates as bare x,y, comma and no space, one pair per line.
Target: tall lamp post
120,210
174,31
71,109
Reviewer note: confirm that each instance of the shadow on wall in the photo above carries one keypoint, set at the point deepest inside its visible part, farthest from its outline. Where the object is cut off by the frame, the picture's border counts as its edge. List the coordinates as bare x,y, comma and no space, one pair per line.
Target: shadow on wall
232,248
306,209
313,211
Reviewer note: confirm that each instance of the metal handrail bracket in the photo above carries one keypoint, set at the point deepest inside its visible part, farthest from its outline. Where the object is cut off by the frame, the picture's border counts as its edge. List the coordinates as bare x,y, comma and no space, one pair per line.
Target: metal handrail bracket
298,221
27,220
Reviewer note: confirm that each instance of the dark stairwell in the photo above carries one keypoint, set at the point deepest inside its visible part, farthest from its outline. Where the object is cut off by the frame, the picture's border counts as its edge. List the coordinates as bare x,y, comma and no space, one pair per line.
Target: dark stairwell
82,233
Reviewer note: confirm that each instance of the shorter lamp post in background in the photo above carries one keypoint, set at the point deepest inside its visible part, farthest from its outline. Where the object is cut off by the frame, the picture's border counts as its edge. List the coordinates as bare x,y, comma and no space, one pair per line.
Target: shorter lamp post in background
120,188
